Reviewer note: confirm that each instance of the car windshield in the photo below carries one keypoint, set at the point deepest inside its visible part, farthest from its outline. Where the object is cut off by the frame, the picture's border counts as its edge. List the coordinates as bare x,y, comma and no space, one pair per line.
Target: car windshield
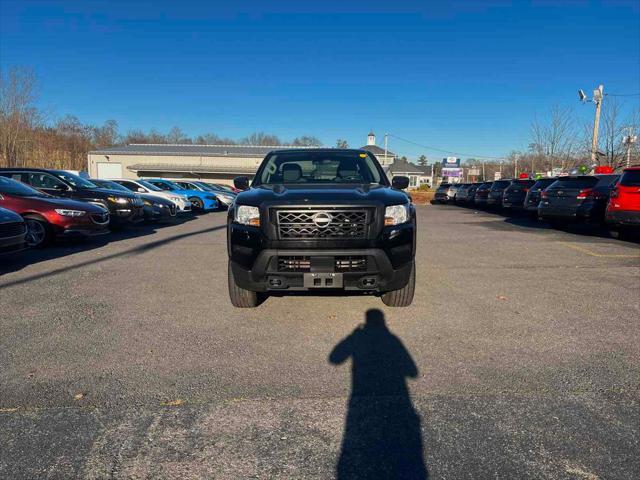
630,178
207,187
18,189
325,167
166,185
110,185
74,180
223,187
149,185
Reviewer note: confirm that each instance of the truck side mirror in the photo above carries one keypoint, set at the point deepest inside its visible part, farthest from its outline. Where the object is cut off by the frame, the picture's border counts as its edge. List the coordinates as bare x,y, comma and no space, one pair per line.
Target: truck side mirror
400,182
241,183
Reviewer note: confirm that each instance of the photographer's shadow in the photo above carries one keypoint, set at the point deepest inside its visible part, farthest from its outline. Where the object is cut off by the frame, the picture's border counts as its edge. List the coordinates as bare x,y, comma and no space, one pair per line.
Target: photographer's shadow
382,437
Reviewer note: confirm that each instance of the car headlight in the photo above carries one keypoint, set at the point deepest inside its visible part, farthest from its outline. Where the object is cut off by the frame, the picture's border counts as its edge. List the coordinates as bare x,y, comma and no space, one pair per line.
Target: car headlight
148,203
247,215
120,200
396,214
177,199
70,213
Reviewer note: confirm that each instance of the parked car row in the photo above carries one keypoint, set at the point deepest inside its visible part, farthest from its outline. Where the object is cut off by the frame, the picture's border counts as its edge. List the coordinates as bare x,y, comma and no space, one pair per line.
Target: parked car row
611,199
38,206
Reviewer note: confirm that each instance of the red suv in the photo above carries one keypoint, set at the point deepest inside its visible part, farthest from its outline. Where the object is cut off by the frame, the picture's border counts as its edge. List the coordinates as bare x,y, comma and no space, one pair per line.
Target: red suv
623,209
48,217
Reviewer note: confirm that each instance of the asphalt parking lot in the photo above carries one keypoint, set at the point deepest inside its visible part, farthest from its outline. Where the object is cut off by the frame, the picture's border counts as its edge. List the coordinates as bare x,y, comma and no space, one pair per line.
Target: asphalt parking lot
519,358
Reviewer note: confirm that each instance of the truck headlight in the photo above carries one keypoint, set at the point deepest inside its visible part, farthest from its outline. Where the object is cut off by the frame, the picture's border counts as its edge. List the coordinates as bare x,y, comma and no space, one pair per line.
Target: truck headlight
70,213
396,214
247,215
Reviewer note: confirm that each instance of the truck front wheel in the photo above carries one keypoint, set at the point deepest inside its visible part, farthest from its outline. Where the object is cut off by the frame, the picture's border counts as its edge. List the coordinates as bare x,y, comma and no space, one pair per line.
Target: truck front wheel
240,297
404,296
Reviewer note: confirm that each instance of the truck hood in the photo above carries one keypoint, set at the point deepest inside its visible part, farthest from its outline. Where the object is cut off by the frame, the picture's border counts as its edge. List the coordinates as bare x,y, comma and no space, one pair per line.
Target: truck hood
322,195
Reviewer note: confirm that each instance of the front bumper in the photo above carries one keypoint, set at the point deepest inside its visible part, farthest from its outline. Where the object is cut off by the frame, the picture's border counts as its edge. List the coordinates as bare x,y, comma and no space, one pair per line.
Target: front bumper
127,215
264,276
623,217
14,244
154,213
254,259
82,232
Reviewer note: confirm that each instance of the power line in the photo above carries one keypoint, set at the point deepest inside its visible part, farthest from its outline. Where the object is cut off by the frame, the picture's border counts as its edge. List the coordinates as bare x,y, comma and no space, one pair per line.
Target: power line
426,147
622,94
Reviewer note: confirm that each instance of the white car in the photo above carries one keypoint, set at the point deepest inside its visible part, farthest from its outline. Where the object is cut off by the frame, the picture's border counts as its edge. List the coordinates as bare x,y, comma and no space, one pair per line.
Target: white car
141,186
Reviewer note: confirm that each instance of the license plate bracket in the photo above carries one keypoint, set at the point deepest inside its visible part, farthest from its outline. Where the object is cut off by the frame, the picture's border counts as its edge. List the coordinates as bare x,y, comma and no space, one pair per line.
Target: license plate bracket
323,280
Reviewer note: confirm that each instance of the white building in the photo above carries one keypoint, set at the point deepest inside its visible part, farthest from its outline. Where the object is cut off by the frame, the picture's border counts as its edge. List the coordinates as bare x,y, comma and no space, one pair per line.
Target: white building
385,158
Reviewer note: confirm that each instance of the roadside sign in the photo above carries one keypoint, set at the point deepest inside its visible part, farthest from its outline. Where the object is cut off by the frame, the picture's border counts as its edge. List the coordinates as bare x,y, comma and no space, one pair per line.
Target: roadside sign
451,162
497,175
452,172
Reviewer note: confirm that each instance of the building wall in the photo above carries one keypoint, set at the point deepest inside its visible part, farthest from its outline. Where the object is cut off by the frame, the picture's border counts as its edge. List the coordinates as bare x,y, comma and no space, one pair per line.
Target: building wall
113,160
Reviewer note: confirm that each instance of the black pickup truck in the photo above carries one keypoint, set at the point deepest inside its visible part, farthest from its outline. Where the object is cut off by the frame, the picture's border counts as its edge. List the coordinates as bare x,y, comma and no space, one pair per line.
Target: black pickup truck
321,219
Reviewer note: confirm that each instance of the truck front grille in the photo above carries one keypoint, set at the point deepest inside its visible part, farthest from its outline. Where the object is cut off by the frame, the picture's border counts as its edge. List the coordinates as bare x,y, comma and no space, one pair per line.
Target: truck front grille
322,224
351,263
294,264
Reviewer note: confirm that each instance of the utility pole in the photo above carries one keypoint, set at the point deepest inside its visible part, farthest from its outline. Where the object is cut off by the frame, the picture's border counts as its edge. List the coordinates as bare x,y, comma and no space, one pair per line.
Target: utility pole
598,95
386,146
484,178
629,140
515,166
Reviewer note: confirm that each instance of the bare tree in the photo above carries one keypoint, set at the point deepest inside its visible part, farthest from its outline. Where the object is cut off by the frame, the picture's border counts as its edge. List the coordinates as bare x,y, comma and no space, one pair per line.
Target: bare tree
341,143
611,135
176,135
306,141
554,143
107,135
261,138
18,116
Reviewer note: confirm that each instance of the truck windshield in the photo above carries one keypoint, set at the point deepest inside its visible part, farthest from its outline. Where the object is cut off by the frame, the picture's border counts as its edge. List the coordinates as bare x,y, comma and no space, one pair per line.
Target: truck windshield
319,167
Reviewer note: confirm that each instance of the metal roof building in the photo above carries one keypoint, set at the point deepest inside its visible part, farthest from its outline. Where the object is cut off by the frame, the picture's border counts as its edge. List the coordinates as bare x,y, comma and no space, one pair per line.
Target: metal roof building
208,162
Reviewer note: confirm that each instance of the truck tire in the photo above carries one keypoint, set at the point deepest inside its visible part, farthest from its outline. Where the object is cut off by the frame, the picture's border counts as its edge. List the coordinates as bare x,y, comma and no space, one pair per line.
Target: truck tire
240,297
404,296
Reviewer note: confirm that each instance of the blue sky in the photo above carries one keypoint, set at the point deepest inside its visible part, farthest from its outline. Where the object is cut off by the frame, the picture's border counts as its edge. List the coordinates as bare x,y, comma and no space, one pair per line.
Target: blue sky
467,78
